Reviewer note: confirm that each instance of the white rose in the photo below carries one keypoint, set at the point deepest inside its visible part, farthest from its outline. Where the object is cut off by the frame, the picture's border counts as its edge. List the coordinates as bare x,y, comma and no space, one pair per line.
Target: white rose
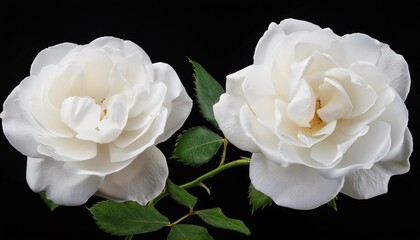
321,113
88,118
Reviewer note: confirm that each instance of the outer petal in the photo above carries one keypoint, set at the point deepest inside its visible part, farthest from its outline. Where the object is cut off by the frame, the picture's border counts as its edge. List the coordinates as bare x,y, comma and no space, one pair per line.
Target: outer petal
125,47
266,46
18,131
50,55
368,183
226,111
396,68
295,186
141,181
227,115
61,186
352,48
177,101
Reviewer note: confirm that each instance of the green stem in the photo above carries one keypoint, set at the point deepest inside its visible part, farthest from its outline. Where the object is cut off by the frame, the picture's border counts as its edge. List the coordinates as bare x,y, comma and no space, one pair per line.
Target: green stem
197,181
225,143
128,237
191,212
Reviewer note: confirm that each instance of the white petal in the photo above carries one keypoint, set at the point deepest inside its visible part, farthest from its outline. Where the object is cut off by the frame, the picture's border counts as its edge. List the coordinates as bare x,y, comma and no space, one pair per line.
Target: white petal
139,69
129,145
67,149
114,121
363,153
164,73
396,68
80,113
335,101
301,108
61,186
100,165
260,95
396,114
97,65
368,183
354,125
331,150
314,42
141,181
356,47
295,186
290,25
226,112
50,55
266,46
146,102
262,136
17,129
177,100
124,47
181,109
362,95
234,82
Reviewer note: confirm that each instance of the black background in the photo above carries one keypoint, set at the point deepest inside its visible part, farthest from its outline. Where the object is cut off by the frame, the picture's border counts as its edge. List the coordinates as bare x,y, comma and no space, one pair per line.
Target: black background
222,37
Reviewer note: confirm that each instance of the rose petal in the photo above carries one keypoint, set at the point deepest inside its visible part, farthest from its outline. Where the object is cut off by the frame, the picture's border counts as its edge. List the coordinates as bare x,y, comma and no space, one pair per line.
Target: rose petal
124,47
368,183
396,68
361,154
264,51
101,165
295,186
141,181
362,95
81,114
290,25
132,143
331,150
356,47
234,82
396,114
226,112
18,130
67,149
146,102
301,108
50,55
60,186
177,101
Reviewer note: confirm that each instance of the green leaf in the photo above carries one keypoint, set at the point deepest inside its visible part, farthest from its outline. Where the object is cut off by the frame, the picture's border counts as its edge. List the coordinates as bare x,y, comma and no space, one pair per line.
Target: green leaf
188,232
47,201
196,146
127,218
216,218
332,203
208,92
180,195
258,199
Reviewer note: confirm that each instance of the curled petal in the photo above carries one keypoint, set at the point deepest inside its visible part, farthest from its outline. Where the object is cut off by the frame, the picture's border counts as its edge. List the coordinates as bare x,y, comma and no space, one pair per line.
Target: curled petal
141,181
368,183
295,186
17,129
50,55
396,68
60,186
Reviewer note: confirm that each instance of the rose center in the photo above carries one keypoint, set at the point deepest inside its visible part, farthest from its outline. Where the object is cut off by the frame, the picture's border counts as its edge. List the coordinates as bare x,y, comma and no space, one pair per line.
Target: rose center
104,111
316,120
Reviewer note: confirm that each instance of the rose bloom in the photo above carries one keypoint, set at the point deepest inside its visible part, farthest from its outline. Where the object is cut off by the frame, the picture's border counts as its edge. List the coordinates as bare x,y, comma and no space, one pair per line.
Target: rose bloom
88,118
321,114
